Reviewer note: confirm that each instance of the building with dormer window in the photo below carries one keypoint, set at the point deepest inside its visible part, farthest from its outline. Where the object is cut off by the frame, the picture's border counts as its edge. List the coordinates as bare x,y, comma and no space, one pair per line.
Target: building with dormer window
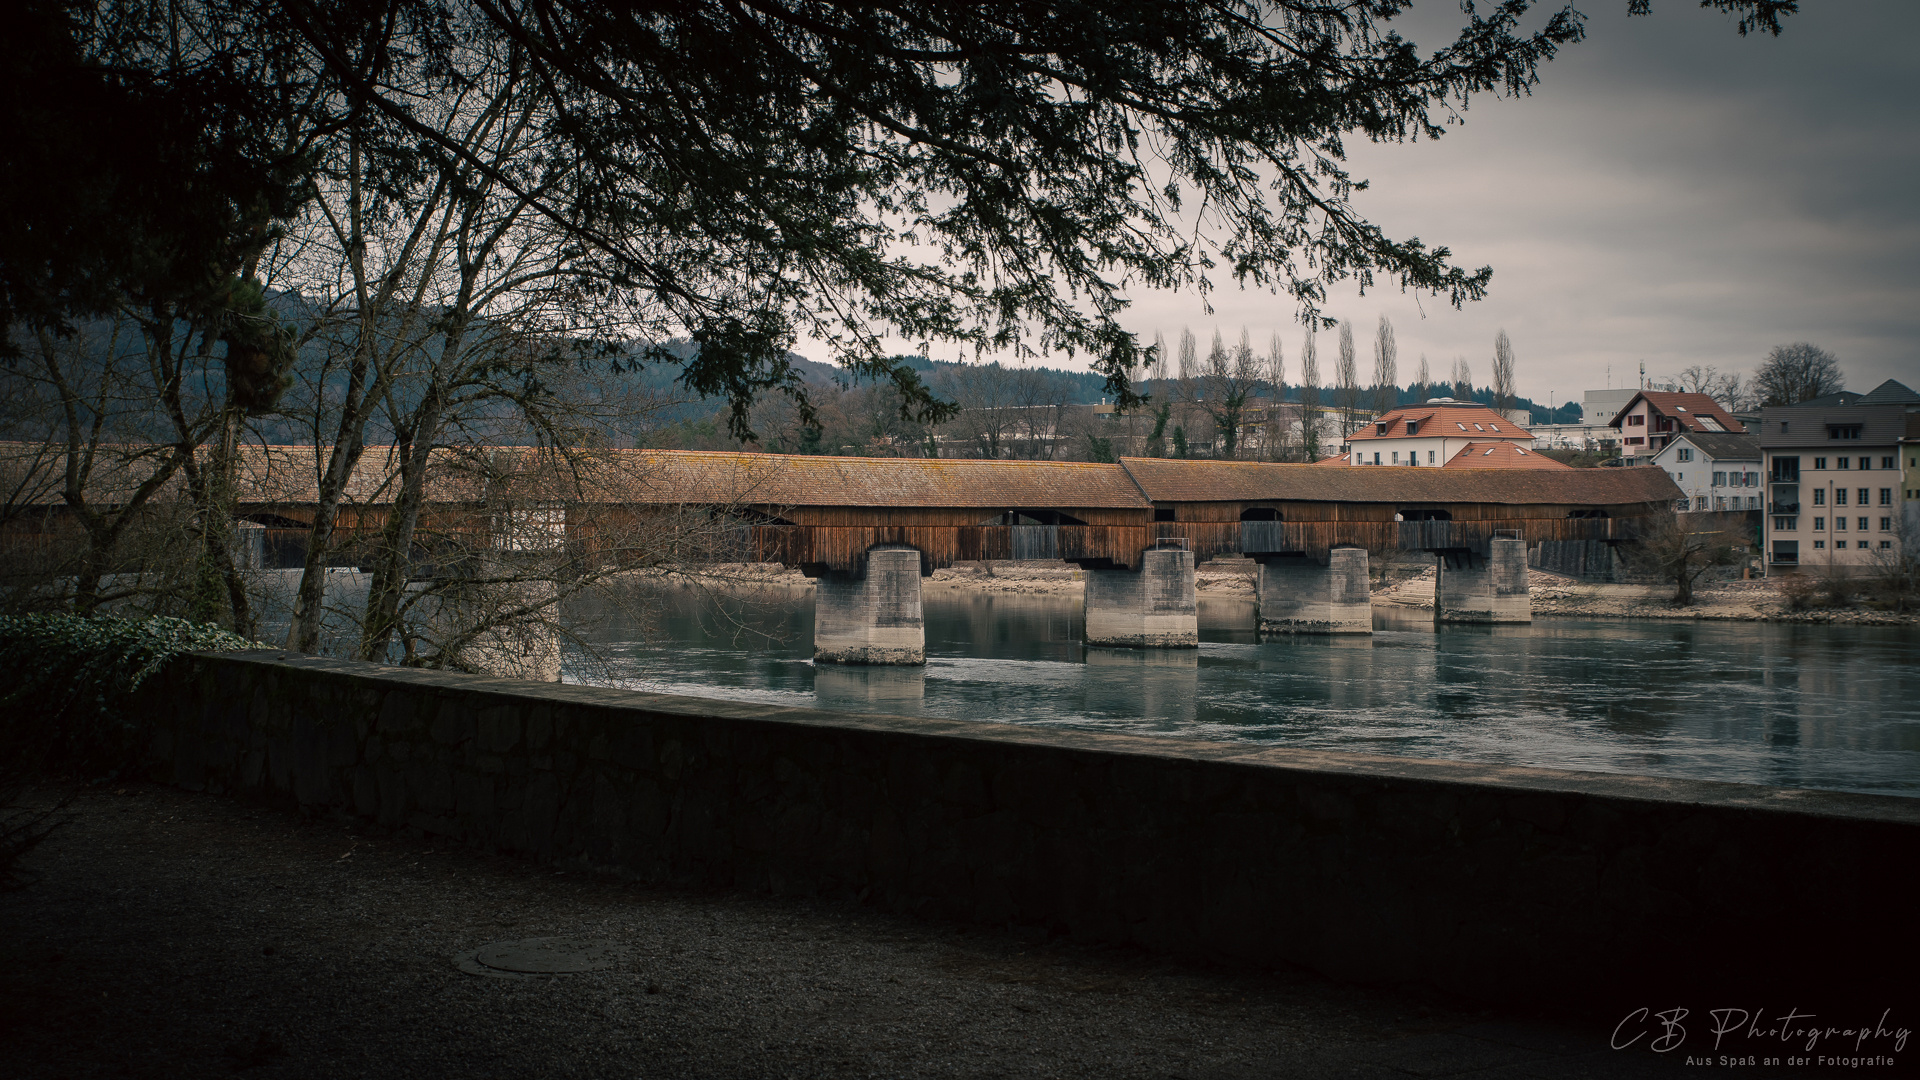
1652,418
1431,434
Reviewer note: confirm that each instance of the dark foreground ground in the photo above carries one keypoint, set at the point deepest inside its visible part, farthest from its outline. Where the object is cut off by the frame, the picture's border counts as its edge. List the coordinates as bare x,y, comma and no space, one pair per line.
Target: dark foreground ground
175,934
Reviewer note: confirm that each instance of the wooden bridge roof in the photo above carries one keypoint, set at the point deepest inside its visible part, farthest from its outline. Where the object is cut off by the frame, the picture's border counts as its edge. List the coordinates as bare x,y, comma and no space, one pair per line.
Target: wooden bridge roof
687,476
1248,481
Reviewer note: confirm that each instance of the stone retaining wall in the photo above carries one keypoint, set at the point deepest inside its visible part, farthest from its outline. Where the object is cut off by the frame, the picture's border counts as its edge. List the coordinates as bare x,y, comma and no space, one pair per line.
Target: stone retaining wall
1504,883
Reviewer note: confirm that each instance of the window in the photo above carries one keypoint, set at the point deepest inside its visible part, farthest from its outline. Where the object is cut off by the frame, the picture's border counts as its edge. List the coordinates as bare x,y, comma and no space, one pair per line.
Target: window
1636,421
1866,463
1819,545
1783,427
1863,528
1381,429
1396,457
1683,504
1634,441
1886,463
1753,479
1699,502
1720,502
1753,502
1886,524
1886,545
1413,427
1429,457
1819,496
1886,496
1477,427
1840,524
1786,551
1866,497
1784,524
1719,479
1786,470
1861,544
1683,454
1819,524
1841,463
1460,425
1839,497
1819,463
1677,477
1843,431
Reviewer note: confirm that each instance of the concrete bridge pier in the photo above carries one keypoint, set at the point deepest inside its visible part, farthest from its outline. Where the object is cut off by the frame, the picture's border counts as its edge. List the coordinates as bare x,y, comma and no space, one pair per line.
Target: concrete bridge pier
872,618
1296,595
1493,589
1149,608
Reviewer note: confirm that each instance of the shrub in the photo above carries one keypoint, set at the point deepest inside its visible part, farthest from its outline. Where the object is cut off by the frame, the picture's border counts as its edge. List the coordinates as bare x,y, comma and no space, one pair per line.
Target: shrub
71,678
1797,591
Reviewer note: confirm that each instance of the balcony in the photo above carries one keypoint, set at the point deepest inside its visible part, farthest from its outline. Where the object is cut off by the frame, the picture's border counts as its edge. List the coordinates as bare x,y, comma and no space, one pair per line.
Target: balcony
1786,508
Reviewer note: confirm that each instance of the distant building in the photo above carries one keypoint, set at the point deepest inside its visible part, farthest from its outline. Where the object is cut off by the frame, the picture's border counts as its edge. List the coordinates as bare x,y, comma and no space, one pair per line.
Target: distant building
1837,487
1430,434
1717,471
1651,418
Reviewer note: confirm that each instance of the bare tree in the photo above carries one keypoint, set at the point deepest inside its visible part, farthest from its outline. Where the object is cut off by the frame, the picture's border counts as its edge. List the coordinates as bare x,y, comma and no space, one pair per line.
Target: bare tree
1795,373
1163,393
1347,376
1310,396
1503,395
1224,390
1896,568
1726,387
1386,369
1422,382
1682,553
1462,379
1279,432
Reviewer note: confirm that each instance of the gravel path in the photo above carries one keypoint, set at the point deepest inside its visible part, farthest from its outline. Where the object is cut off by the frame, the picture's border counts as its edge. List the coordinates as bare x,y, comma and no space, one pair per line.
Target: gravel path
175,934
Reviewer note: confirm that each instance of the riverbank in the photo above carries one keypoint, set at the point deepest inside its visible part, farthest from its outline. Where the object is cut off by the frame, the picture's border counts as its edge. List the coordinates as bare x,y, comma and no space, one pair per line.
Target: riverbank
1555,595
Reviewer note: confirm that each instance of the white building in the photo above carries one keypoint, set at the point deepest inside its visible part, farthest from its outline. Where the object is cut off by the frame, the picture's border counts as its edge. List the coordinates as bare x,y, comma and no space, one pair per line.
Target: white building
1431,434
1717,471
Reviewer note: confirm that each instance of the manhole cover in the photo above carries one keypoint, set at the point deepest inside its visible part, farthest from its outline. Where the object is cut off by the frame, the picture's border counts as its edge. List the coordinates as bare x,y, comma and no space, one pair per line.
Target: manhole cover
539,956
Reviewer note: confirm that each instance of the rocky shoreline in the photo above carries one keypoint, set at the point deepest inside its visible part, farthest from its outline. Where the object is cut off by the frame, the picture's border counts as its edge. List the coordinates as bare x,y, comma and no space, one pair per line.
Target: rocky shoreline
1555,596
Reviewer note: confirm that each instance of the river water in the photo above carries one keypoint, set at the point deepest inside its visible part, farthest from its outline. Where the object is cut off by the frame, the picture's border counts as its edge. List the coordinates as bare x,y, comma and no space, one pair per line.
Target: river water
1792,705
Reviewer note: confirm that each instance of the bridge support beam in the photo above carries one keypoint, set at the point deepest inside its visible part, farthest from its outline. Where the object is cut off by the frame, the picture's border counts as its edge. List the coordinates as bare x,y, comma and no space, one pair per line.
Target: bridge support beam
873,618
1299,596
1490,590
1149,608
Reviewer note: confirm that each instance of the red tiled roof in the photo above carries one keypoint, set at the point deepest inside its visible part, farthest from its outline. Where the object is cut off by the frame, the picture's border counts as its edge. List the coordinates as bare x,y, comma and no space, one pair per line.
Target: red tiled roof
1500,455
1685,408
805,480
1469,421
1237,481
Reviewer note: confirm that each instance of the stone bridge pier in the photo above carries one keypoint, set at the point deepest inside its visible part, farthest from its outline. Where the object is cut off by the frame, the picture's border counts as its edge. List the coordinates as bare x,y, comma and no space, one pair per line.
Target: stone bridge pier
873,617
1490,589
1297,595
1150,608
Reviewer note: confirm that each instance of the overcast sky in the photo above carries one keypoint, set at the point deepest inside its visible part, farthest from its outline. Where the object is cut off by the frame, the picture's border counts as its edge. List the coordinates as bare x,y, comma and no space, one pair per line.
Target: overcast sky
1671,192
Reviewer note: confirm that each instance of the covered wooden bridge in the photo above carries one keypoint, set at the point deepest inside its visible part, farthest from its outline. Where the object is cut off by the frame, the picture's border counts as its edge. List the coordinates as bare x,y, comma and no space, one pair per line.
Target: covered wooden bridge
869,528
